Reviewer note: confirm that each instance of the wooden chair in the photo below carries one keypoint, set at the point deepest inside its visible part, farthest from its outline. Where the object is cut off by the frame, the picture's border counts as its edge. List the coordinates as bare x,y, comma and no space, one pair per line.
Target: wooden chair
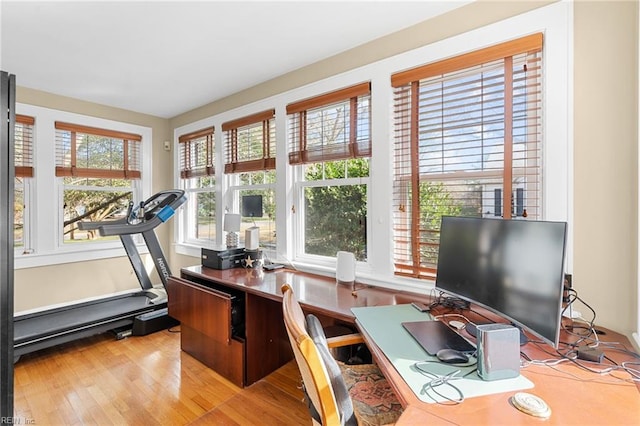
336,393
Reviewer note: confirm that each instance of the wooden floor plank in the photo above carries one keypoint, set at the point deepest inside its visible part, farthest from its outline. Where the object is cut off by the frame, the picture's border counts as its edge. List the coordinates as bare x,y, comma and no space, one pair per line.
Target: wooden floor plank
261,403
145,380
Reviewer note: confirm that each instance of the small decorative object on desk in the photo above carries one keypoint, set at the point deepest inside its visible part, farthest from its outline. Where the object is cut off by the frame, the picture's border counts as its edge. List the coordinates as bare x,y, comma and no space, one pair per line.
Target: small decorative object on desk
531,404
252,259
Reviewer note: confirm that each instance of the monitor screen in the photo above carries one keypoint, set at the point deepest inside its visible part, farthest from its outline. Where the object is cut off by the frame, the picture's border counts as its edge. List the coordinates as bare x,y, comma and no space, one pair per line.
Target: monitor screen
514,268
252,205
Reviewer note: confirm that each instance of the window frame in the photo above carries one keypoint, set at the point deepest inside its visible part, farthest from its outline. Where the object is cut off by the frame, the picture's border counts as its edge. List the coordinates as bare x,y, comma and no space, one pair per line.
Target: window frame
45,189
300,185
409,105
25,171
69,157
186,143
300,155
263,161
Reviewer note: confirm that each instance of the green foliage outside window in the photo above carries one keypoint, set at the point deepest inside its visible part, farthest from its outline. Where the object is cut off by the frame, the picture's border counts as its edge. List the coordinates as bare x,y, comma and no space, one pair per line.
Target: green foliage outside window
435,202
206,205
336,215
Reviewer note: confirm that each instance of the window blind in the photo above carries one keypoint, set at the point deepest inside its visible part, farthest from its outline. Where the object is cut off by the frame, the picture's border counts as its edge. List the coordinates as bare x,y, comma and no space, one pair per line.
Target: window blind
24,145
468,138
197,154
332,126
90,152
250,143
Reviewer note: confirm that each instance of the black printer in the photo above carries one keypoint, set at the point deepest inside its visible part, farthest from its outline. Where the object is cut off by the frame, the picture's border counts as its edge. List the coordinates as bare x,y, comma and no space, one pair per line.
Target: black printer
226,258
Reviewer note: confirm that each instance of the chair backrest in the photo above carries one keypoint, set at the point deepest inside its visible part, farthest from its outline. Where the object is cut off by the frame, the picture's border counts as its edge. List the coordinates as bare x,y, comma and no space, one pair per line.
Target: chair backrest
314,373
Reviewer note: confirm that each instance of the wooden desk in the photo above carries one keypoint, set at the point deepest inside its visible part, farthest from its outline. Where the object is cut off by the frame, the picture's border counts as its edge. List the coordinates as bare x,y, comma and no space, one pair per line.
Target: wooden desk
205,301
575,396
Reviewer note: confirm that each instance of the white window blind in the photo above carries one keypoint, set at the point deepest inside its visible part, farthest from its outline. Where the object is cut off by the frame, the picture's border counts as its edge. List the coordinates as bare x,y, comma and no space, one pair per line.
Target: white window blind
468,137
251,143
332,126
197,154
24,145
90,152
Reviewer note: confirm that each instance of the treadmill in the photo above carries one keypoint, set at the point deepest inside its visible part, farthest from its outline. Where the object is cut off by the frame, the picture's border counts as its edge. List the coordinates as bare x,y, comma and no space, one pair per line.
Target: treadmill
136,313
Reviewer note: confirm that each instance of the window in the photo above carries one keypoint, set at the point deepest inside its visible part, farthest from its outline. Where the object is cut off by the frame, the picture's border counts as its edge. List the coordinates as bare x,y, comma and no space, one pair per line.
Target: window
468,138
100,169
197,174
250,163
23,161
331,144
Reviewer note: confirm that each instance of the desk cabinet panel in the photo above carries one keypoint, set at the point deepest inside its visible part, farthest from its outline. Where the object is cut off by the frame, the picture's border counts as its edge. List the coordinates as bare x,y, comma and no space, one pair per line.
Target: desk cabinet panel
268,345
205,315
226,360
201,308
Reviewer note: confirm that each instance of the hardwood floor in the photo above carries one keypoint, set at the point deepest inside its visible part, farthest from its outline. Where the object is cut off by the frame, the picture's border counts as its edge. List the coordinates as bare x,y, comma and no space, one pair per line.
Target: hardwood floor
145,380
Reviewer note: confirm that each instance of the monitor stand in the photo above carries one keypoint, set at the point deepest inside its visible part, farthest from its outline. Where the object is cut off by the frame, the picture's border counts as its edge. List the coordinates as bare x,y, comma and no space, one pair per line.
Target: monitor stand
472,329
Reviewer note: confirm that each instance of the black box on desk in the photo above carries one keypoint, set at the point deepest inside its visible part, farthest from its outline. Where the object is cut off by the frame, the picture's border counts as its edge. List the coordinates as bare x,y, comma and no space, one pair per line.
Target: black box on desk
222,258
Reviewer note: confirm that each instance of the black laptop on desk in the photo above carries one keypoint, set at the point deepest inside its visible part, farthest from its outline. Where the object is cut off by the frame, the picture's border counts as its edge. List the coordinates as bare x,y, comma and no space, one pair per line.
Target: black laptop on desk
435,335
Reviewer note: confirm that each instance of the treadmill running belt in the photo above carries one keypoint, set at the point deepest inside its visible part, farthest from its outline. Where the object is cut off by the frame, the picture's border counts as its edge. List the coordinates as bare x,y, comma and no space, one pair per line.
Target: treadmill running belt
61,320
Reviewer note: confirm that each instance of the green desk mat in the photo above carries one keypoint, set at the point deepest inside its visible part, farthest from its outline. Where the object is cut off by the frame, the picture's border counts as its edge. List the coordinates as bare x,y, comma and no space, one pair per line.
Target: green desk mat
383,324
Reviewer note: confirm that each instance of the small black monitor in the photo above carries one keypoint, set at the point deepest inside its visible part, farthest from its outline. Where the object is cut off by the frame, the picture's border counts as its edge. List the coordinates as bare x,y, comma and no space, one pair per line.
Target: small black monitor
514,268
252,205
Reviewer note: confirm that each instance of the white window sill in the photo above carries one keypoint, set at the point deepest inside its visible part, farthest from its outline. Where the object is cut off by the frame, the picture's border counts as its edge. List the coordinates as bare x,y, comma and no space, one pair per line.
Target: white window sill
187,249
326,266
77,254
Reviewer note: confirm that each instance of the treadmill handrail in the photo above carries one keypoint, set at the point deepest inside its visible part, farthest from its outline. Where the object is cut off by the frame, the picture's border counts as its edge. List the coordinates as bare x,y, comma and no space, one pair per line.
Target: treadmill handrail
137,228
123,227
88,226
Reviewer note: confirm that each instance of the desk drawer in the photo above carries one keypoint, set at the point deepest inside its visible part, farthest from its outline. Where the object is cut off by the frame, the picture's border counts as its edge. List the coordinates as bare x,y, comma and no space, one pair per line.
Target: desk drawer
201,308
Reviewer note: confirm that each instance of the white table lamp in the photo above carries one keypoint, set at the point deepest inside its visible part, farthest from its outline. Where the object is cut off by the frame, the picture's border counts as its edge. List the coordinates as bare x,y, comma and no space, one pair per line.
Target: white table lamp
232,226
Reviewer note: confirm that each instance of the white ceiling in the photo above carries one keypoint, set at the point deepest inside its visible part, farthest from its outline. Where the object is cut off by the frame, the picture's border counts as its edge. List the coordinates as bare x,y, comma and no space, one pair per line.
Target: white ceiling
165,58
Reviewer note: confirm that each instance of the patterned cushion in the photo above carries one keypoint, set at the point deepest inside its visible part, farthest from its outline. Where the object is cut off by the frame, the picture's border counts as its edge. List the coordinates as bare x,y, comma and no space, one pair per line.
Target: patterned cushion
358,388
372,397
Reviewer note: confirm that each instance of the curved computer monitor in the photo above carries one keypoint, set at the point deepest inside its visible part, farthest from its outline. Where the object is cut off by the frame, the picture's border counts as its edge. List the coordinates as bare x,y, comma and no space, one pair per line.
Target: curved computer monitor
514,268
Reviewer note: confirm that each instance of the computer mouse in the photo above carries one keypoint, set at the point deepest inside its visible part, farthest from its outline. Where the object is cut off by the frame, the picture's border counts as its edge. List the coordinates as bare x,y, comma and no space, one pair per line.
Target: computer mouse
451,356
